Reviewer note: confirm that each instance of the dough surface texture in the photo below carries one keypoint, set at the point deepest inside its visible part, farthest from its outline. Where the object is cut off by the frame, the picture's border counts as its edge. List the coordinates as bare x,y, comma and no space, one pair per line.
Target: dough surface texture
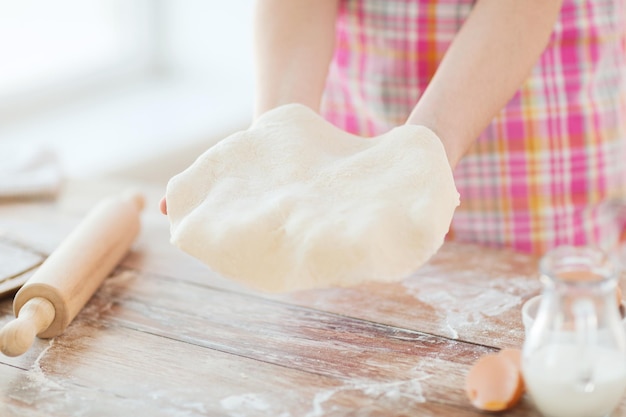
295,203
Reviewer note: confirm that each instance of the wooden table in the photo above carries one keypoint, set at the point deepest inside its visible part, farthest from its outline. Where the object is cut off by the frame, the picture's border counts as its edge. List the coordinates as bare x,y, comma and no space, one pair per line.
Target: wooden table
164,336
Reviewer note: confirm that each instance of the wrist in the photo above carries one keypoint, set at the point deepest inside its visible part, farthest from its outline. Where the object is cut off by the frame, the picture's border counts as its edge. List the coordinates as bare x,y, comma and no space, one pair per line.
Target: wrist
451,142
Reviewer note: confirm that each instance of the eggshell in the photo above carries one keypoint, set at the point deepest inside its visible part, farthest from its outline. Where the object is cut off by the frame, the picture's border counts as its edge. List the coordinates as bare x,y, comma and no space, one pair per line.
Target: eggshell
515,356
494,383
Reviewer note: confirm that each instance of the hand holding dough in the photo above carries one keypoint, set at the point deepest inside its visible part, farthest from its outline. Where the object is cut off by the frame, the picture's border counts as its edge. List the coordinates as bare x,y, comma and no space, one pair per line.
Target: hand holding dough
294,203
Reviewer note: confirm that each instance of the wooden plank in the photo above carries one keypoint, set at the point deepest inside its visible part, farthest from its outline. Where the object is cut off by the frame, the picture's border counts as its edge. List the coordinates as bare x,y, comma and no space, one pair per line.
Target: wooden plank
104,364
357,356
365,353
104,370
35,393
465,292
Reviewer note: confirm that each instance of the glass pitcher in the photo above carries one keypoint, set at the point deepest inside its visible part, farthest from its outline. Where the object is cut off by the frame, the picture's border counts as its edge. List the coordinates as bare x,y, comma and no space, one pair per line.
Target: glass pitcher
574,356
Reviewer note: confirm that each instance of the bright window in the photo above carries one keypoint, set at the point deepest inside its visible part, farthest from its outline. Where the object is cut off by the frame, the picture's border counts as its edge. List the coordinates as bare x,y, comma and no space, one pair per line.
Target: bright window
124,87
60,43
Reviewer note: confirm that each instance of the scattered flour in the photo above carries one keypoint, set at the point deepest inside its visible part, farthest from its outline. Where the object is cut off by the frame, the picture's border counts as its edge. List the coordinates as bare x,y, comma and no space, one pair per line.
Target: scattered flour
37,377
403,394
252,404
463,304
245,402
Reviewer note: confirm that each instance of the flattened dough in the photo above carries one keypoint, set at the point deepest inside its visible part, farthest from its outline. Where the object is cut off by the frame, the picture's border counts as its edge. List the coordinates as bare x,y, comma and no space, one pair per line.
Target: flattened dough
296,203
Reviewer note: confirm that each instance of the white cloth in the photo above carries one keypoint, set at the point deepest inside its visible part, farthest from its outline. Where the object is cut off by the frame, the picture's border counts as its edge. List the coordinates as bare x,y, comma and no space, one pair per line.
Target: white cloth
28,171
295,203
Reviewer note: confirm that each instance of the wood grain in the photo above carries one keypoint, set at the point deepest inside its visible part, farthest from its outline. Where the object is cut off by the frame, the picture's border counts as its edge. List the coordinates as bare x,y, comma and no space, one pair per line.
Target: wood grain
240,355
164,336
466,292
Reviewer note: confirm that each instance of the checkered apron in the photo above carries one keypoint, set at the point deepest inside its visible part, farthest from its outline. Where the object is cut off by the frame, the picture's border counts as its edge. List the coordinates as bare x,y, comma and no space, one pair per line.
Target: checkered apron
551,167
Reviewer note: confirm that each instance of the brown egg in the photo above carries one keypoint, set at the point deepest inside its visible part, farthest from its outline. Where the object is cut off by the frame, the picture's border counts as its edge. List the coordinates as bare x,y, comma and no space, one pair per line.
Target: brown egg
515,356
494,383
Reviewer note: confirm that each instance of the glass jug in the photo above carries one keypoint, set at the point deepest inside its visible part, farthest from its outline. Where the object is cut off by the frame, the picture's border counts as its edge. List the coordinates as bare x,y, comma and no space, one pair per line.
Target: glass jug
574,356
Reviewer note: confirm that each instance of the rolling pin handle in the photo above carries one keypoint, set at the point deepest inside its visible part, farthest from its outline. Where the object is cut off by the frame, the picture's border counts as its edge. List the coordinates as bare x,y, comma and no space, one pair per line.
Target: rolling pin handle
34,317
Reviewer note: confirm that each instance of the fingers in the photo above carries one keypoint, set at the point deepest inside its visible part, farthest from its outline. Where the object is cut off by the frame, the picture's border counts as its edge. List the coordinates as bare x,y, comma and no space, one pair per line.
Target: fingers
163,206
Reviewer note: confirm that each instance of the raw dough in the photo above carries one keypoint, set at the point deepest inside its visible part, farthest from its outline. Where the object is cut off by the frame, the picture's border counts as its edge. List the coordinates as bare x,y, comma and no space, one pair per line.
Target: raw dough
296,203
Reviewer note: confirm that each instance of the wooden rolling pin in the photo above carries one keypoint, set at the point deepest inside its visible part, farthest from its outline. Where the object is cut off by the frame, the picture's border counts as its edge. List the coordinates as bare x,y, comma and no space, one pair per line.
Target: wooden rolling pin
67,279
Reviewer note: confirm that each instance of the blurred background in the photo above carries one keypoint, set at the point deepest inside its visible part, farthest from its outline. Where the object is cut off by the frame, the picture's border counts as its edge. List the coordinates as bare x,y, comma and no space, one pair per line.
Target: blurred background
133,88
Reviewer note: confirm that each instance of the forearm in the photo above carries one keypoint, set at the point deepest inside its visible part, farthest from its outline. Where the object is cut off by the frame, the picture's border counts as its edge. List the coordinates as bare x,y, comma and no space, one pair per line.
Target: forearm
294,44
485,65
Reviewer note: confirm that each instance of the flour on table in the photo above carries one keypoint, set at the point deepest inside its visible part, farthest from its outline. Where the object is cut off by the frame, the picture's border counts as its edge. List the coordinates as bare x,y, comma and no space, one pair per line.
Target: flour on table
246,401
296,203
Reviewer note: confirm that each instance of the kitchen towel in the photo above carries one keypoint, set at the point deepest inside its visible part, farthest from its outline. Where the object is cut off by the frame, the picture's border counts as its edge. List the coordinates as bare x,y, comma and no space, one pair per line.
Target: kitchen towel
28,170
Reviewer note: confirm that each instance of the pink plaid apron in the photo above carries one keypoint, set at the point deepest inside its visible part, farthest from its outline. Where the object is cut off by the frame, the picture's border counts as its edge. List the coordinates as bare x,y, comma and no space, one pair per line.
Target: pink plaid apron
551,167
